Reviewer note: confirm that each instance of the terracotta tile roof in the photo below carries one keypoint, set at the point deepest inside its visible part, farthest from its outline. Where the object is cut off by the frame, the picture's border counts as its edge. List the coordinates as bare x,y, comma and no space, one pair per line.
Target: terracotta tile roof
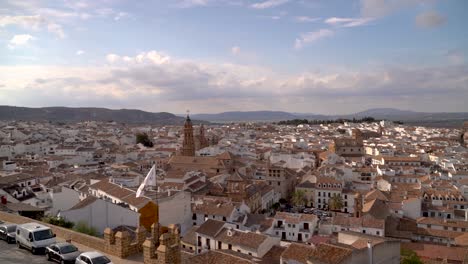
353,222
119,192
138,202
249,240
214,208
87,201
292,218
103,185
298,252
442,222
437,233
376,194
376,208
210,228
437,252
216,257
190,237
330,254
273,255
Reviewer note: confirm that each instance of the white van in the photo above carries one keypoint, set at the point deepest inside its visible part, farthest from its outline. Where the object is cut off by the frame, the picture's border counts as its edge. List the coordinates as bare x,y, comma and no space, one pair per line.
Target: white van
34,236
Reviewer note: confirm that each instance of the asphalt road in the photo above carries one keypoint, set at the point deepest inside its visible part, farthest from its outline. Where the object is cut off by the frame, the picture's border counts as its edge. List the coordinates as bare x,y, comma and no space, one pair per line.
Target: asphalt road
11,254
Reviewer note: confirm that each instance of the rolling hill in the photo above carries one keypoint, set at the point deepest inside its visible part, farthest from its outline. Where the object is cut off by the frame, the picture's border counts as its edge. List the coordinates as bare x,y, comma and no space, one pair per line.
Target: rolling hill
68,115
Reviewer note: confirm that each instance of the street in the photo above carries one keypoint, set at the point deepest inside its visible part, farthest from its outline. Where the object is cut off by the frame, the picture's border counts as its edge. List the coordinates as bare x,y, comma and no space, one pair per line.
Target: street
11,254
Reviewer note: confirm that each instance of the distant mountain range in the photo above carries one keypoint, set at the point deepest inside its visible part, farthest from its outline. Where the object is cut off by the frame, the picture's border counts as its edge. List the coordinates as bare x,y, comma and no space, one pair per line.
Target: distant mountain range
69,115
409,117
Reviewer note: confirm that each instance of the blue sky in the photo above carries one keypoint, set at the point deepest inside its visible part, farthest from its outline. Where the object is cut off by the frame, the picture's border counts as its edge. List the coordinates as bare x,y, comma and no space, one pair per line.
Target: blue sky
220,55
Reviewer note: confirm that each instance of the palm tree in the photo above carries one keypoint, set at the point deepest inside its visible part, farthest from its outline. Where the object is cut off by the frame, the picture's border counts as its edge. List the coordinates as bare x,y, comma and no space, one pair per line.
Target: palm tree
298,198
335,203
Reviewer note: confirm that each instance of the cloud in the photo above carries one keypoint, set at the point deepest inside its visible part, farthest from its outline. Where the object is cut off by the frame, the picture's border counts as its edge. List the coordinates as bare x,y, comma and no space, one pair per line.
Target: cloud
56,29
34,22
310,37
120,15
268,4
235,50
28,22
455,56
348,22
19,40
430,19
305,19
112,58
150,57
154,81
191,3
80,52
380,8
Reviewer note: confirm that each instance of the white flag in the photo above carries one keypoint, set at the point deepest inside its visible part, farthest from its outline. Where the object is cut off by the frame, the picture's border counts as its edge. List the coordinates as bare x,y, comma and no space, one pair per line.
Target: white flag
149,180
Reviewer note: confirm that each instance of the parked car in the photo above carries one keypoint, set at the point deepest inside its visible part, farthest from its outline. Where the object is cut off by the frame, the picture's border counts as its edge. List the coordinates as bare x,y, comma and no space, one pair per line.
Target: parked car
62,253
34,236
92,257
8,232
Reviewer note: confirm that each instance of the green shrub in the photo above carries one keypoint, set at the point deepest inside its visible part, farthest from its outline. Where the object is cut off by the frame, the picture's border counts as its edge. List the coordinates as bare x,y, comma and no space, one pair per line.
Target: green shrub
84,228
58,222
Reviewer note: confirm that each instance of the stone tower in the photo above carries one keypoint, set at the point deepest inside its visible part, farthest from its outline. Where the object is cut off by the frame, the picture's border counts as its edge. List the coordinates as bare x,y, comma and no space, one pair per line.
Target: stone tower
188,145
358,205
203,140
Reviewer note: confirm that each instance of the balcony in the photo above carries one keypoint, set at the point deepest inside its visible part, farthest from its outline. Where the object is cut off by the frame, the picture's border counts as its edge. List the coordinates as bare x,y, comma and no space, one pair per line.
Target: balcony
278,227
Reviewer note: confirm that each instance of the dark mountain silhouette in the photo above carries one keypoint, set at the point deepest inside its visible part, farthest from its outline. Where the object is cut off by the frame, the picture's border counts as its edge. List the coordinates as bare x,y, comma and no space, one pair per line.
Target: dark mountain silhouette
68,115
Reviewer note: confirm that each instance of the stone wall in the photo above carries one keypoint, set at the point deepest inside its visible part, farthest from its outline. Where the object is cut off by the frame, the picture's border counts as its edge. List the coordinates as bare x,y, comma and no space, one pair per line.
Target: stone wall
119,244
166,249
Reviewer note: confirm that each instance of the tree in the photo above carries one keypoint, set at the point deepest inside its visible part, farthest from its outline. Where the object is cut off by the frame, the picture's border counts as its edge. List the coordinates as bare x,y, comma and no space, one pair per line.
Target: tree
298,198
276,206
144,139
409,257
335,203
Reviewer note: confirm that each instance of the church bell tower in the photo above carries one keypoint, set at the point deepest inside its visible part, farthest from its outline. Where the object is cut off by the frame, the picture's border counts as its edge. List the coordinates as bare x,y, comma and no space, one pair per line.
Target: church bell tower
188,145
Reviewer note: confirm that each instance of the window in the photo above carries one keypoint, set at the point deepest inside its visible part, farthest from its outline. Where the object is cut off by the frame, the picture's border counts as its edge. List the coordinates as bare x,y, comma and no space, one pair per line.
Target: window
363,231
230,247
377,233
278,183
224,218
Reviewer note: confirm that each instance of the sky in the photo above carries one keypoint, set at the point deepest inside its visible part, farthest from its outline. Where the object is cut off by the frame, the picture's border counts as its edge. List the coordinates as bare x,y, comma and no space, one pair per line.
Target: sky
210,56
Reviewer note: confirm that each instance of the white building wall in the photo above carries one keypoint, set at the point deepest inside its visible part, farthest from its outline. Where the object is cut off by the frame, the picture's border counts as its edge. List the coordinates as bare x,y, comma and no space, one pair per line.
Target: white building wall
176,209
64,200
102,214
